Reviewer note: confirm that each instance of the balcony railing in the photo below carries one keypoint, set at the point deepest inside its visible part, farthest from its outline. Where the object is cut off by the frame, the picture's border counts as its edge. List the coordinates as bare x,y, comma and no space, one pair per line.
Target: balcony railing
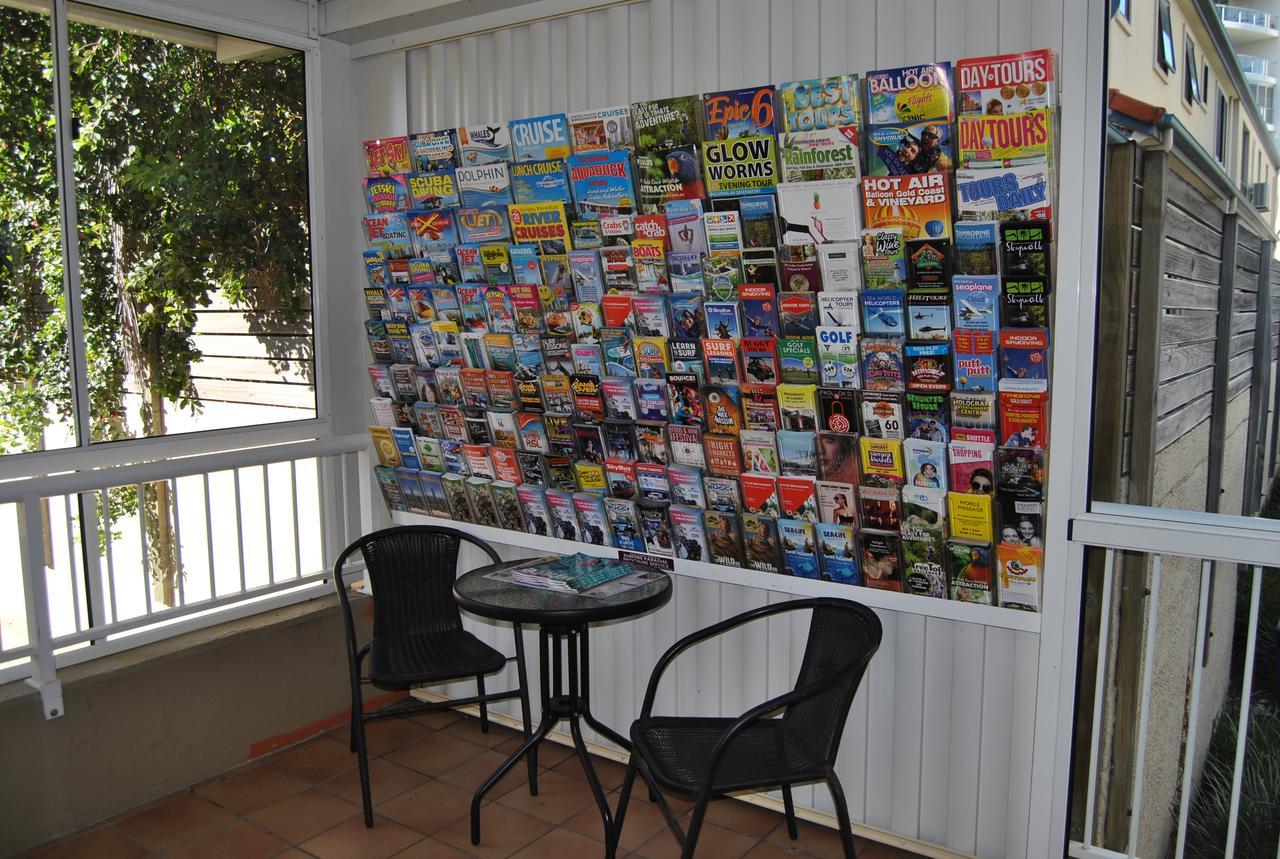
243,532
1248,17
1255,65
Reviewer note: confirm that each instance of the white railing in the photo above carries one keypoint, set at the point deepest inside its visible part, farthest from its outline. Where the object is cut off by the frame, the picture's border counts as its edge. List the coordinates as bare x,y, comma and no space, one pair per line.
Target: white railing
1157,809
1254,65
1241,15
244,531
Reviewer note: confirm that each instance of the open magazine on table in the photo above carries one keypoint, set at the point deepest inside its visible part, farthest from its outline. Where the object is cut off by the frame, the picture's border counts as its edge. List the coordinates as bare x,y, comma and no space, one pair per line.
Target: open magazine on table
578,574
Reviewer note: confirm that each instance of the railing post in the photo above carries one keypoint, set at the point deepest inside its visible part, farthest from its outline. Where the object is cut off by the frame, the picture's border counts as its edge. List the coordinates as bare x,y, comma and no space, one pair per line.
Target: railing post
1242,723
90,537
44,669
364,465
1144,710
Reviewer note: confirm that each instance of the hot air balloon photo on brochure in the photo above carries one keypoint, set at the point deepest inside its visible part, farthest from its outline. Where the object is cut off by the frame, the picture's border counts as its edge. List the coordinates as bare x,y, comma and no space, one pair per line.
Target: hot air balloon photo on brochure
919,205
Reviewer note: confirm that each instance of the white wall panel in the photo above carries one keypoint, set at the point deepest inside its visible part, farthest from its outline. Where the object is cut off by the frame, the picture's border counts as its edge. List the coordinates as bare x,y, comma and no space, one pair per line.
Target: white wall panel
380,100
908,701
939,741
968,692
994,730
881,722
935,729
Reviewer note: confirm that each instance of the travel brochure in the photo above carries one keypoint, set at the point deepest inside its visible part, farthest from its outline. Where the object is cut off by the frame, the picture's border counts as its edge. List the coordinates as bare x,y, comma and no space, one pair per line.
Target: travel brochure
800,328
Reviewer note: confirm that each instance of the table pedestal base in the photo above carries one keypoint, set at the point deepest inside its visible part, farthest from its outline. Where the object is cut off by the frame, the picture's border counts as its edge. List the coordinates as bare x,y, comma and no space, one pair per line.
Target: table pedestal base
564,696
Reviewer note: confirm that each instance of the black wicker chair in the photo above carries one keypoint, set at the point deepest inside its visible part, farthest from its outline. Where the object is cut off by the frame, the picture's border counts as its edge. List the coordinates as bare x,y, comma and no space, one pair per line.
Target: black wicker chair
418,637
788,740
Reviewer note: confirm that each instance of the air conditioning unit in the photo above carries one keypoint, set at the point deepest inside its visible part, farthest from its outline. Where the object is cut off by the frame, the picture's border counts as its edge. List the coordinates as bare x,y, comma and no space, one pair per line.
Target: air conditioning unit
1260,196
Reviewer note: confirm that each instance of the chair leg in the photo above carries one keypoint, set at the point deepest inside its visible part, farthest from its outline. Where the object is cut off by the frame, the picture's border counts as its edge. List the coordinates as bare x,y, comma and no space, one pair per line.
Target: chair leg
357,704
525,710
663,806
484,706
695,825
362,757
790,807
611,845
842,815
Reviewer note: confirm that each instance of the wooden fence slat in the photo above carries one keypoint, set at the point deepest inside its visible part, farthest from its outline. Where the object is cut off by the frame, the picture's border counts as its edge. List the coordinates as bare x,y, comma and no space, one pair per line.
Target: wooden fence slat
1188,295
1183,228
245,346
1173,426
1196,204
1246,281
1187,327
1184,263
1185,359
1179,392
256,393
247,322
253,369
1244,300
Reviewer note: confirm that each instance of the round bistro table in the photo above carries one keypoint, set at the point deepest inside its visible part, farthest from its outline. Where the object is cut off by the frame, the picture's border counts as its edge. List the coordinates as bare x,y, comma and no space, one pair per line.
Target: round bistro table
560,618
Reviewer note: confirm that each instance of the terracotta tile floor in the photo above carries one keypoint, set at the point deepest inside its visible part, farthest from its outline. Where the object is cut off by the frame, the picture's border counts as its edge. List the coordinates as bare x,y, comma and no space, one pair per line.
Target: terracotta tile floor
304,801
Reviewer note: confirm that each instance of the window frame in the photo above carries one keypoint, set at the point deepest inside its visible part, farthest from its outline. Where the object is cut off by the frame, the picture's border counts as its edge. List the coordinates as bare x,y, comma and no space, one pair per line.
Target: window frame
1165,65
84,453
1192,94
1221,108
1246,158
1120,9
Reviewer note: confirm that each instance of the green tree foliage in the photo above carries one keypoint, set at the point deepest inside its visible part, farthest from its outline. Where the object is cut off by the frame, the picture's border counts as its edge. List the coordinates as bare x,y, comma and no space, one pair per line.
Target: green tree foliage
191,182
33,371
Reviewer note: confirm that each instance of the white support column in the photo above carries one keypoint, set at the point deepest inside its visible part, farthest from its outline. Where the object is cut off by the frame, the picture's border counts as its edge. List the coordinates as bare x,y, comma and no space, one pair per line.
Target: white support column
364,468
43,677
1082,64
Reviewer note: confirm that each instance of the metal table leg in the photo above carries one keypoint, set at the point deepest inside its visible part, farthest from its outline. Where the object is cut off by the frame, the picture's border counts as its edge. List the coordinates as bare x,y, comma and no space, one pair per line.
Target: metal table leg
558,705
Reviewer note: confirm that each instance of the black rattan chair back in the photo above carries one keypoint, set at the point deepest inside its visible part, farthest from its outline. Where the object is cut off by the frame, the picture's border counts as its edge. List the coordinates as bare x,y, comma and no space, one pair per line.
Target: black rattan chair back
411,571
843,636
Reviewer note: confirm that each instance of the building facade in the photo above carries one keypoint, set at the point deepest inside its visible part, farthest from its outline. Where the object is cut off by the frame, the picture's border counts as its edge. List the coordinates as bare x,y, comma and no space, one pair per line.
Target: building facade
1213,70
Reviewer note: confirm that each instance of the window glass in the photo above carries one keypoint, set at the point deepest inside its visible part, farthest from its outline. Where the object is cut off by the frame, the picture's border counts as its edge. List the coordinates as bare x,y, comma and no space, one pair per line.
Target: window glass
1220,128
1164,37
35,382
1180,420
1191,85
191,177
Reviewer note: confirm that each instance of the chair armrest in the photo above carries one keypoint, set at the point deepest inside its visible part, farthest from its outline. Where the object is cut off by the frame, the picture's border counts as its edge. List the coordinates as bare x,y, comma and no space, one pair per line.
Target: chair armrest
715,629
476,541
758,712
344,602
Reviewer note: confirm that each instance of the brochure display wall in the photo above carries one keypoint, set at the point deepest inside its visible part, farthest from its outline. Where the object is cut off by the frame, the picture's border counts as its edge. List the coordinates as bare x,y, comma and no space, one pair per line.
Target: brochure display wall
797,330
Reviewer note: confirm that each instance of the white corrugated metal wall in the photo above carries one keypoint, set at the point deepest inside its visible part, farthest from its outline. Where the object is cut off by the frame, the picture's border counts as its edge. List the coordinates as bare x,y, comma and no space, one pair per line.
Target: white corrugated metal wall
939,743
